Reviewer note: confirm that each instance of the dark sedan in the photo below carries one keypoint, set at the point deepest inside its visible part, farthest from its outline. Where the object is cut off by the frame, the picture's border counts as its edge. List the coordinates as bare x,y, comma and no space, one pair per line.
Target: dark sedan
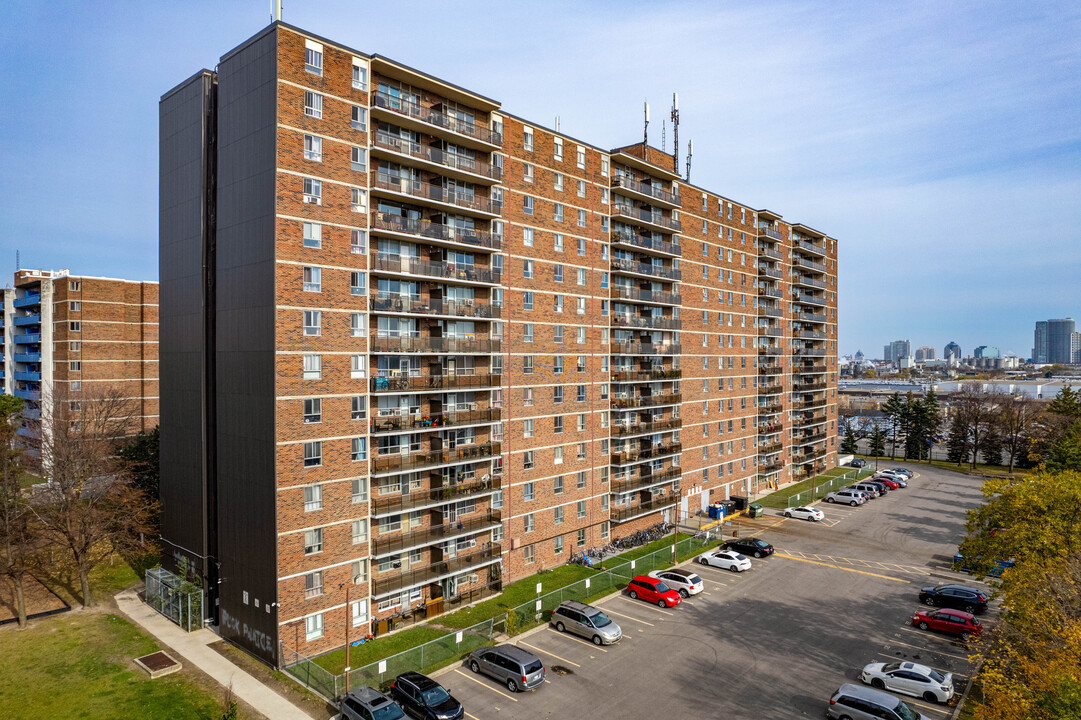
959,597
424,698
750,546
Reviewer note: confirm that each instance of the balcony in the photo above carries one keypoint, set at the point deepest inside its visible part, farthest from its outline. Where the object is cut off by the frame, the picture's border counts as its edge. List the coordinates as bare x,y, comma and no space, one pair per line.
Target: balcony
661,298
635,348
633,266
655,323
455,308
27,301
810,352
810,247
466,168
383,584
769,408
387,544
808,404
434,421
661,246
26,376
432,118
32,414
645,217
646,477
465,346
770,449
624,514
770,350
28,357
771,467
770,428
650,376
810,419
437,194
628,403
455,272
389,222
24,320
809,299
770,311
435,496
654,451
770,332
809,438
809,386
34,339
645,428
808,264
811,369
770,370
808,282
647,190
412,383
764,231
811,335
809,317
771,254
769,292
770,388
32,395
770,273
393,462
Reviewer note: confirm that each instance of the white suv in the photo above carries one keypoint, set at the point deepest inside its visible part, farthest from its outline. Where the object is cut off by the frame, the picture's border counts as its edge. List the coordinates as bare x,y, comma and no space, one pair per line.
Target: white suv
852,497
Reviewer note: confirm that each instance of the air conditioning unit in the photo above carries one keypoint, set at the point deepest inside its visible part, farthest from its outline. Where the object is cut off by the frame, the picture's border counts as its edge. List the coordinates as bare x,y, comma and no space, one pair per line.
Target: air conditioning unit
515,543
472,405
472,578
313,199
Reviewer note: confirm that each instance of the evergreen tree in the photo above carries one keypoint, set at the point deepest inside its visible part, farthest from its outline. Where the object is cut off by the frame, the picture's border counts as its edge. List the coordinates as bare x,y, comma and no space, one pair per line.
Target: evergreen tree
894,409
878,442
848,445
1067,402
957,442
992,448
932,422
1065,453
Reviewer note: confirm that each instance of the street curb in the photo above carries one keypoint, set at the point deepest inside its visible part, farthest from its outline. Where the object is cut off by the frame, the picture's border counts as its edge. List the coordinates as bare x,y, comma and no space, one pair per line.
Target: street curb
964,696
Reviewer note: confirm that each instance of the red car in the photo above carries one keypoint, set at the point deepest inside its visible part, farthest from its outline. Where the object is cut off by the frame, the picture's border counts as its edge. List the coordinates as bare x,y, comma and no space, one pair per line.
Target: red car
955,622
652,590
888,482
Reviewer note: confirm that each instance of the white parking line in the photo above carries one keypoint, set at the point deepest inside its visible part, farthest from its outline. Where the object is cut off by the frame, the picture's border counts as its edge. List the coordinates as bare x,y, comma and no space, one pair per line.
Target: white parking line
638,602
613,612
522,642
571,637
485,685
924,649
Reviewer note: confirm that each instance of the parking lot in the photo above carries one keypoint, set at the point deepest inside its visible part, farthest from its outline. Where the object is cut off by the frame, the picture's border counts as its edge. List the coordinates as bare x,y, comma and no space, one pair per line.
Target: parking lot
775,641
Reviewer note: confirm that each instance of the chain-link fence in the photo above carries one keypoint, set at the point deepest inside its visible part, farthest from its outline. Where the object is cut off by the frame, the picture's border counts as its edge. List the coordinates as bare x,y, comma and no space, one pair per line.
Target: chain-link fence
175,598
827,486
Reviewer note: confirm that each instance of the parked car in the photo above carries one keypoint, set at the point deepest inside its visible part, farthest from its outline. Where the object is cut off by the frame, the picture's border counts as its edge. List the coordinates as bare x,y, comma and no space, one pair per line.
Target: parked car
516,668
1001,565
652,590
805,513
958,597
587,621
861,703
725,559
750,546
904,471
872,491
367,703
849,497
889,482
858,463
911,679
685,582
955,622
900,478
423,698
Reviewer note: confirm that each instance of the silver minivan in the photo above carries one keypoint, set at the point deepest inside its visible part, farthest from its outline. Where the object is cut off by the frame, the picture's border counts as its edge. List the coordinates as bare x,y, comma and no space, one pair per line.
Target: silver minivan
869,488
863,703
587,621
516,668
852,497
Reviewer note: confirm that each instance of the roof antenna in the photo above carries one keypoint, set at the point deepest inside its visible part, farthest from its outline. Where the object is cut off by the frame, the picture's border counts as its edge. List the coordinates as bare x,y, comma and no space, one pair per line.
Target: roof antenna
662,135
675,132
18,265
277,10
690,151
645,132
557,123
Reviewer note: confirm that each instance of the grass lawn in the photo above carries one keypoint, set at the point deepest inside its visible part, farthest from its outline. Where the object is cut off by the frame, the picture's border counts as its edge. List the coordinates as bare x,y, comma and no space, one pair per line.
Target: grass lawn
380,648
516,594
966,468
79,665
779,498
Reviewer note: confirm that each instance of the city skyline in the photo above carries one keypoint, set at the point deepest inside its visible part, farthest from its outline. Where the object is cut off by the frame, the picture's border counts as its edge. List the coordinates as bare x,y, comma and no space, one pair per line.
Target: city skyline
893,114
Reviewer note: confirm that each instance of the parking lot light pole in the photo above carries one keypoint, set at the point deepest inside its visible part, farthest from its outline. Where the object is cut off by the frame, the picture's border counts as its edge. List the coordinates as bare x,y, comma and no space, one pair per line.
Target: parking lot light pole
675,525
348,623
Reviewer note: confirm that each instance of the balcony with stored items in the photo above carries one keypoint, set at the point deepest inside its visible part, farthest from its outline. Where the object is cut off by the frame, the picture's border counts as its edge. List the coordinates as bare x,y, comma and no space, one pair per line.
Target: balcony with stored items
645,374
770,448
808,264
398,382
645,296
646,322
770,408
438,494
645,451
431,534
657,503
768,311
384,422
770,370
641,348
808,438
644,476
770,292
398,109
629,428
26,320
420,343
447,199
808,386
435,233
645,192
482,556
805,281
631,266
629,401
806,419
623,237
770,331
809,317
809,404
771,466
764,271
651,219
771,388
809,299
769,253
424,304
396,462
770,350
450,164
388,264
810,352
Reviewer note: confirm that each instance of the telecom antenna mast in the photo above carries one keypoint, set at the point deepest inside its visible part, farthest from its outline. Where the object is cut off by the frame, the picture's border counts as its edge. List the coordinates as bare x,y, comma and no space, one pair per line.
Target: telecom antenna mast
675,132
690,151
645,132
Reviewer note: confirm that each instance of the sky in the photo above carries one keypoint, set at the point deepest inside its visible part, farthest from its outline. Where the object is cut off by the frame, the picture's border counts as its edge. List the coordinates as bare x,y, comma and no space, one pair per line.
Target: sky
939,143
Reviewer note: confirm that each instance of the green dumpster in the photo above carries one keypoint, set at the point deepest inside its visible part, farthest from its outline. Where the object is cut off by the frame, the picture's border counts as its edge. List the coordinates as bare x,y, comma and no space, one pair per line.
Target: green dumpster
754,510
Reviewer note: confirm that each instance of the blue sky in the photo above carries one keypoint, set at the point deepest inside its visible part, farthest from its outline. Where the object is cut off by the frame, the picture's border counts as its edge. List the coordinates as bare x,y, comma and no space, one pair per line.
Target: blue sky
940,143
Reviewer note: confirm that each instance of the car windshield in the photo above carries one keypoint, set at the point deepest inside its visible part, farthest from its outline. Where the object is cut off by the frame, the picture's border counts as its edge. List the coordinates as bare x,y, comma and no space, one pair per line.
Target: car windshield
600,620
390,711
533,667
662,587
905,712
435,695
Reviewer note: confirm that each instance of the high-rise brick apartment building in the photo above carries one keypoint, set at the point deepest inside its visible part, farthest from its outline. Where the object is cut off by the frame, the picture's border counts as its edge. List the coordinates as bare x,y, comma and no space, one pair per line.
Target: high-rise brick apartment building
67,337
416,347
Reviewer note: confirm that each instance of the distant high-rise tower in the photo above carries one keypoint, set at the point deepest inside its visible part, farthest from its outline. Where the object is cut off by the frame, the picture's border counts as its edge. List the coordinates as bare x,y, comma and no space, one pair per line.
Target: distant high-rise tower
1058,340
987,351
898,350
1075,348
925,353
887,352
952,351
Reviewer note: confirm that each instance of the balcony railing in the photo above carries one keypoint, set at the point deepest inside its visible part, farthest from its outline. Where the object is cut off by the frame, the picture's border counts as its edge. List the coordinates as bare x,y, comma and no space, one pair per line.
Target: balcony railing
771,467
34,395
437,156
619,403
437,193
809,387
657,323
633,266
809,282
663,298
771,254
770,350
435,118
809,438
809,264
423,228
27,376
27,357
415,461
810,352
27,301
770,273
645,216
809,299
418,306
624,238
809,369
770,370
770,332
24,320
809,317
766,231
770,388
654,451
622,181
811,335
634,348
640,376
642,428
486,555
435,496
387,544
810,247
407,383
770,449
770,428
449,271
810,419
769,408
428,421
645,476
769,292
33,339
623,514
770,312
435,345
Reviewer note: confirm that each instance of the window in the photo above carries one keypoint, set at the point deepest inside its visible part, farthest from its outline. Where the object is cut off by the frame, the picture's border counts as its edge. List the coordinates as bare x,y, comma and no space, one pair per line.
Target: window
358,366
358,200
528,428
580,334
312,322
75,326
527,364
557,336
313,541
497,499
529,492
558,270
557,393
527,204
313,148
358,158
604,529
313,453
358,283
313,235
581,156
558,485
360,118
74,285
527,301
313,57
557,424
313,279
581,480
75,365
528,460
360,76
529,523
581,303
527,554
581,188
360,449
313,366
528,170
313,627
559,516
527,143
557,456
581,218
581,397
559,212
313,410
604,502
360,489
360,531
313,191
582,246
582,536
313,104
313,584
581,364
557,303
527,396
559,181
75,345
527,333
558,243
558,153
358,325
360,571
527,269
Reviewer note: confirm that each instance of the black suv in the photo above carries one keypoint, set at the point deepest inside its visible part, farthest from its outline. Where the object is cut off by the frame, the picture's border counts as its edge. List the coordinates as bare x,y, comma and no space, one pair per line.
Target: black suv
365,703
424,698
958,597
750,546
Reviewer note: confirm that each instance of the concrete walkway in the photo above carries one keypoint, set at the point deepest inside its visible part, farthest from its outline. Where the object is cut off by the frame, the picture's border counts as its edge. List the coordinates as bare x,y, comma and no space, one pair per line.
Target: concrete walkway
192,648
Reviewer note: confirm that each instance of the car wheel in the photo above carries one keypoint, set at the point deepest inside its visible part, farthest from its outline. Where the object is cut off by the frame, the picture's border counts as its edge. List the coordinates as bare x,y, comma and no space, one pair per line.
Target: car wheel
597,640
560,627
830,500
971,609
633,595
684,594
812,518
474,666
929,601
512,685
853,503
788,514
877,682
703,561
930,696
733,568
923,626
757,554
965,636
662,603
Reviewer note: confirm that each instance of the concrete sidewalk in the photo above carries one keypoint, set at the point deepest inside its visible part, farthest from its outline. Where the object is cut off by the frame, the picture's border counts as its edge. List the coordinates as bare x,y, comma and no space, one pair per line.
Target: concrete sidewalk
192,648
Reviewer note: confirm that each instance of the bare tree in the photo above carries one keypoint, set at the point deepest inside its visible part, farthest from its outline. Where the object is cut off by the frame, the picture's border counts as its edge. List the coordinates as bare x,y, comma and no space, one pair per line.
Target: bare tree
18,537
89,505
976,412
1016,414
